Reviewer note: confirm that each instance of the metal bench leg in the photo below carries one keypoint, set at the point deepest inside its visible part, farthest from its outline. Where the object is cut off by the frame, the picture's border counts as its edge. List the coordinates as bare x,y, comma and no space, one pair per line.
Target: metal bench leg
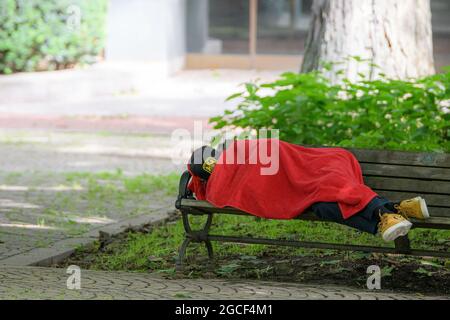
205,232
402,245
210,249
194,236
182,254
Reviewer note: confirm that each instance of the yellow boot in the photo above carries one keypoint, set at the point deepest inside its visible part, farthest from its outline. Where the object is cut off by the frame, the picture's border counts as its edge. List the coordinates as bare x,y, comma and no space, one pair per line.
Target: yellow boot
392,226
413,208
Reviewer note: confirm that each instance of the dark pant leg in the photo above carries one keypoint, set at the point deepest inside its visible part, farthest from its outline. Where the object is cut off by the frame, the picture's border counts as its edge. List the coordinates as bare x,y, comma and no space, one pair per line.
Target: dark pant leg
373,208
366,220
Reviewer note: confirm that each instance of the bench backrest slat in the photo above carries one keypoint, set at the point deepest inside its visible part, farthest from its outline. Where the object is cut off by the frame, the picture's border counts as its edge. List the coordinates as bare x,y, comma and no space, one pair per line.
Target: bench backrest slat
401,175
405,184
430,159
405,171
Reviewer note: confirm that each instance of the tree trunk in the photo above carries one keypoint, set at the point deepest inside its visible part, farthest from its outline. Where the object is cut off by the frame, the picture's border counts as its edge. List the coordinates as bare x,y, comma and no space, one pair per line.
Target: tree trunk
393,34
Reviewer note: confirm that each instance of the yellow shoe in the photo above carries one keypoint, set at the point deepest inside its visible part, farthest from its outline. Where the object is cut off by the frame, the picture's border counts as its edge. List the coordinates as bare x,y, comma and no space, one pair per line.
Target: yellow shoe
392,226
413,208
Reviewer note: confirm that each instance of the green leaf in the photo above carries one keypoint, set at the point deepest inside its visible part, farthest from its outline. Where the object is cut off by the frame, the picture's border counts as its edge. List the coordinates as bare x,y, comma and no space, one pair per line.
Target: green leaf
234,96
380,114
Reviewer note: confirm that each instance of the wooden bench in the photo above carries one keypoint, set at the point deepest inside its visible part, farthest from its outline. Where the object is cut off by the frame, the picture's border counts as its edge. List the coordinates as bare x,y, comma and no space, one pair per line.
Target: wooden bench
395,175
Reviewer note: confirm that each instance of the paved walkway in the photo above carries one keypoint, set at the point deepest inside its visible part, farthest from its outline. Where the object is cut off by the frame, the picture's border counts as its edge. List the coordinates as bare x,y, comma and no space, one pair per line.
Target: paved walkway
39,150
48,283
49,205
107,89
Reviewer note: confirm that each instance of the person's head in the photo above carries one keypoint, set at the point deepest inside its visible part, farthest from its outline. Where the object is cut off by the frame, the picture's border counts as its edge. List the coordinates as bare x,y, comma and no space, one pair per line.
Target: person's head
202,162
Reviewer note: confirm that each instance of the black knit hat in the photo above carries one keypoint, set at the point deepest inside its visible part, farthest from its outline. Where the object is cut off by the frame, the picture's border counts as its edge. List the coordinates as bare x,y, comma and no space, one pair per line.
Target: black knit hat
197,161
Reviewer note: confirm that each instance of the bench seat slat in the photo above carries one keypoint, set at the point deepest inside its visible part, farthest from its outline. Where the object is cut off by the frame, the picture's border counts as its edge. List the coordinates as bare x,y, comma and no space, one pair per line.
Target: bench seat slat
202,207
437,205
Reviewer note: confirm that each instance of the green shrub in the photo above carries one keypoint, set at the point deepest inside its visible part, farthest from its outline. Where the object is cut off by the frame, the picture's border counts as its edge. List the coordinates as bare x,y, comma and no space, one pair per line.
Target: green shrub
44,35
382,114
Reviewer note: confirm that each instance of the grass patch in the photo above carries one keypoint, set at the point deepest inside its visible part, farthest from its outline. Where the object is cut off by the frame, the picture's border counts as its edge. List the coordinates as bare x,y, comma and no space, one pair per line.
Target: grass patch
155,249
75,202
158,249
117,181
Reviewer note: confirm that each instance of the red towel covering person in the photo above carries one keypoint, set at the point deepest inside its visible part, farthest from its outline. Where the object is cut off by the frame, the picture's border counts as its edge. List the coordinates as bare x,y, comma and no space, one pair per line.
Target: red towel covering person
302,177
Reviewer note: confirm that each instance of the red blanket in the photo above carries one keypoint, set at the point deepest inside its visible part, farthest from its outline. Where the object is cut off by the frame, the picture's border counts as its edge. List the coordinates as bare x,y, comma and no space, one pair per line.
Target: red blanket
304,176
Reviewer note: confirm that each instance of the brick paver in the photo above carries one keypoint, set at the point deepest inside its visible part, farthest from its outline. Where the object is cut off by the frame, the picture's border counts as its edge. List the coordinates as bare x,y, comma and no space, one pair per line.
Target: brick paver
50,283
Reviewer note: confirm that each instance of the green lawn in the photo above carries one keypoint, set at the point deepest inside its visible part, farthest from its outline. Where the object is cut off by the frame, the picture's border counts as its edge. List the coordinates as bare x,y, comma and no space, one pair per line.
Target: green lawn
158,249
73,203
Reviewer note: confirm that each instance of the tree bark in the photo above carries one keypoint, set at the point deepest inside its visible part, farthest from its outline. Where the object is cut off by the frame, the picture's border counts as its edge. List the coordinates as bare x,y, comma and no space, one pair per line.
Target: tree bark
396,35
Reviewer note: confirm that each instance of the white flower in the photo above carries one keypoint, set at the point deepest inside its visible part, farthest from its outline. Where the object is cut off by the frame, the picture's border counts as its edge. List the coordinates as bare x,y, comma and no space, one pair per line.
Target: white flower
343,95
445,106
407,96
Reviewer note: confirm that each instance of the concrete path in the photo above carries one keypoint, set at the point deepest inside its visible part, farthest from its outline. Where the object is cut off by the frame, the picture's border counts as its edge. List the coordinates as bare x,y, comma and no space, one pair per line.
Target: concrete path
49,283
107,89
49,205
25,150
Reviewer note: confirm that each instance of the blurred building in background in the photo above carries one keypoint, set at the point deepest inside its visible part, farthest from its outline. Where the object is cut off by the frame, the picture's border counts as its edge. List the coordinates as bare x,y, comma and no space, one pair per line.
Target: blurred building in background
264,34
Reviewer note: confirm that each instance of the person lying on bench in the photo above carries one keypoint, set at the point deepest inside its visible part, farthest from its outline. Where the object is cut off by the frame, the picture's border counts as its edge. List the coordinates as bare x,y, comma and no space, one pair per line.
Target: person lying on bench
327,181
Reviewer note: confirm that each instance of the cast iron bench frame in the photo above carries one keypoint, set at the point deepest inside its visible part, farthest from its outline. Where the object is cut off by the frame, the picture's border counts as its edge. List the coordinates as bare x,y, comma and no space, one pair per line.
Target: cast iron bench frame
394,174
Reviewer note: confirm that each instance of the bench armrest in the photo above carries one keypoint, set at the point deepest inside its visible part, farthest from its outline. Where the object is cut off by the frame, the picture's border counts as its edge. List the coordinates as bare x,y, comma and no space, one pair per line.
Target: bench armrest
183,191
